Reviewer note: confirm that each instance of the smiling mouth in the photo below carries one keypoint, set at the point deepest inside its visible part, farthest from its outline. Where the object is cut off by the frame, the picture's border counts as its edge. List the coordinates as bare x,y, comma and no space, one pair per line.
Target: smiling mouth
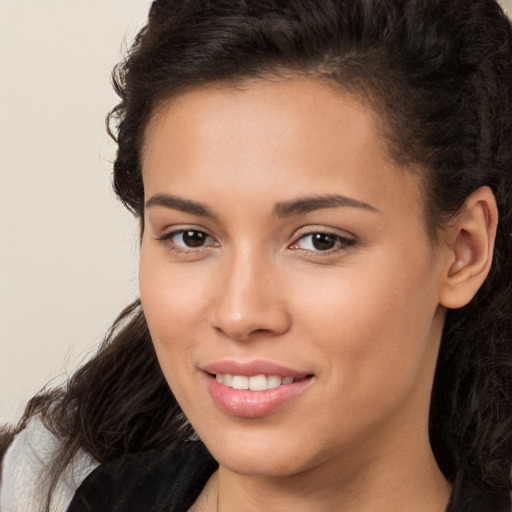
252,393
255,382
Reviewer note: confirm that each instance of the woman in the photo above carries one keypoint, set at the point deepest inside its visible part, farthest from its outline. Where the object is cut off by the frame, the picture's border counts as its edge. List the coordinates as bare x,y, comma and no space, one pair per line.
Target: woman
324,193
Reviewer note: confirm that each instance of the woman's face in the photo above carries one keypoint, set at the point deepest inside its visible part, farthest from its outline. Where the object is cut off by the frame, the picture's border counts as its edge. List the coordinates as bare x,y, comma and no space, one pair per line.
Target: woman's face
283,250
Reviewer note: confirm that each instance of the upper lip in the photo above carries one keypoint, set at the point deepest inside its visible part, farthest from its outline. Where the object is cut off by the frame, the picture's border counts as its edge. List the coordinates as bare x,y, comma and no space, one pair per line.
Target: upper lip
251,368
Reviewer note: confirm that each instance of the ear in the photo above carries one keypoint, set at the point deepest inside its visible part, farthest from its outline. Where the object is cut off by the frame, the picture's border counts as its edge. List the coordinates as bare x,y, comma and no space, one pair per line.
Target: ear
470,249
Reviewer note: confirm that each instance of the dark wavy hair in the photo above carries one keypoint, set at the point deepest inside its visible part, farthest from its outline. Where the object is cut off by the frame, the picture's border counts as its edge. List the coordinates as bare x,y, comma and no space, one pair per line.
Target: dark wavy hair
439,73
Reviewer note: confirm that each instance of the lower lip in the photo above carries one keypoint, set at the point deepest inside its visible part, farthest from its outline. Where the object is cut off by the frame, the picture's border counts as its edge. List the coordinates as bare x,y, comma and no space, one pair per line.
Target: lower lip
254,404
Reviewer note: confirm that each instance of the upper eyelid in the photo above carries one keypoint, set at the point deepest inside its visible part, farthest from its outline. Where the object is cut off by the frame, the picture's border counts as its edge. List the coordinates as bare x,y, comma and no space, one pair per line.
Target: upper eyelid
344,240
169,232
326,233
307,230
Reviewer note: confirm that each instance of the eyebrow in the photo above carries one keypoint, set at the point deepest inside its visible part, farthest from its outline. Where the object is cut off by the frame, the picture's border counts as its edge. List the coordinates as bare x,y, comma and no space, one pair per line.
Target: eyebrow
309,204
183,205
281,209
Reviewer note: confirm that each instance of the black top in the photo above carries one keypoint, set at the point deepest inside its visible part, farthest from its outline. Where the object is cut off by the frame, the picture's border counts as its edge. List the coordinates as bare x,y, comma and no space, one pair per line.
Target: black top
160,480
170,480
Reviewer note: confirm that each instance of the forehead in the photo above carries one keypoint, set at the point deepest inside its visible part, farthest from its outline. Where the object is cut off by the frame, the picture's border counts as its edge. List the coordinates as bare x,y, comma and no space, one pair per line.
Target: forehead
281,104
276,136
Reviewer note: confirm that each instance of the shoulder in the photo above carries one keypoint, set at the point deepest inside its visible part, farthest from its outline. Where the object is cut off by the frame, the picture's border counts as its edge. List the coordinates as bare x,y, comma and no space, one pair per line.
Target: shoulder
163,479
25,469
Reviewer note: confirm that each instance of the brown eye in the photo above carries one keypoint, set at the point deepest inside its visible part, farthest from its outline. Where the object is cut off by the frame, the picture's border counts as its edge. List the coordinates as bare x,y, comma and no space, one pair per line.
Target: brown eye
322,242
189,239
193,238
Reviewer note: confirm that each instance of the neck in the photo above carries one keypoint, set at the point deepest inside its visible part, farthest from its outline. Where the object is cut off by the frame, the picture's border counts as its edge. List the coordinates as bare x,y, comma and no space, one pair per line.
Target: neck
404,478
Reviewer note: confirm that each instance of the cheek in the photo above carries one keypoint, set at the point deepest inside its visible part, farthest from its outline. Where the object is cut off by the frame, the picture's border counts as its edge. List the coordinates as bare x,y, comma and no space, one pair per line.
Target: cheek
373,327
172,295
174,304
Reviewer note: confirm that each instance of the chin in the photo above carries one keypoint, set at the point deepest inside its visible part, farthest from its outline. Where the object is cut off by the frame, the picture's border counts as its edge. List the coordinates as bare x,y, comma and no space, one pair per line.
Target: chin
257,454
261,465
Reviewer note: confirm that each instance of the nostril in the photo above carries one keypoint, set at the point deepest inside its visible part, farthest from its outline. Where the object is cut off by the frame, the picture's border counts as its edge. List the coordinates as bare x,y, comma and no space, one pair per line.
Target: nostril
260,331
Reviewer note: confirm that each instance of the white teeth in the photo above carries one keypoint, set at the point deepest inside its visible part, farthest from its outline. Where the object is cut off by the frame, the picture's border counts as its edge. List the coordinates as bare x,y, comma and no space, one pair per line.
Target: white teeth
227,379
254,383
258,383
240,382
273,381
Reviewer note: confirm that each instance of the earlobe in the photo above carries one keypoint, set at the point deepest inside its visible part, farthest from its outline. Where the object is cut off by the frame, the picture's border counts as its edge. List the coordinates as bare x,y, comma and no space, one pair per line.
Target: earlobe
471,244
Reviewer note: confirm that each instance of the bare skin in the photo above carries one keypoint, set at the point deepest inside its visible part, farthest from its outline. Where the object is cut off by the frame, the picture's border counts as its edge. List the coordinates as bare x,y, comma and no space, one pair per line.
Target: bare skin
435,498
361,313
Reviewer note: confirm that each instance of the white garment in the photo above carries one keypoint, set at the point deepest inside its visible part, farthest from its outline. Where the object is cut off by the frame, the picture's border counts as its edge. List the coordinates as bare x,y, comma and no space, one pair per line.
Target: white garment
24,471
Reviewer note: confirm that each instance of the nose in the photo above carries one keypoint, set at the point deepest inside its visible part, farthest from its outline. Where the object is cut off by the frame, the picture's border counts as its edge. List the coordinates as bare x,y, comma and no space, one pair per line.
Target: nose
250,302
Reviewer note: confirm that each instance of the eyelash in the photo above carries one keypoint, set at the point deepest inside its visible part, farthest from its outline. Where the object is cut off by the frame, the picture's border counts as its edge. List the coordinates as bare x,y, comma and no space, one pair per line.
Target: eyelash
341,242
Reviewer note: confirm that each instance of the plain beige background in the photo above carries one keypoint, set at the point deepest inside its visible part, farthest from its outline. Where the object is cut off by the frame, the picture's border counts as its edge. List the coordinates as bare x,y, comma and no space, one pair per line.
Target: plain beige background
68,250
